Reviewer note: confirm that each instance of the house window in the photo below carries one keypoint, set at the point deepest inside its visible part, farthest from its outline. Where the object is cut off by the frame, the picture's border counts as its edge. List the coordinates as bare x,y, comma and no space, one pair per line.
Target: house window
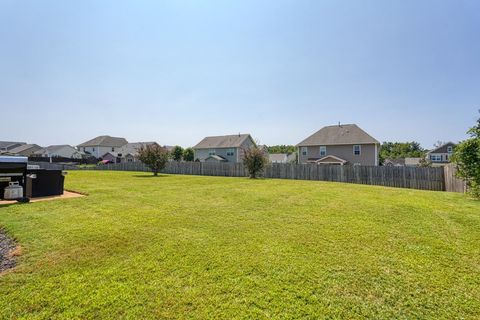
436,157
113,149
323,150
304,151
93,149
449,149
211,152
357,150
230,152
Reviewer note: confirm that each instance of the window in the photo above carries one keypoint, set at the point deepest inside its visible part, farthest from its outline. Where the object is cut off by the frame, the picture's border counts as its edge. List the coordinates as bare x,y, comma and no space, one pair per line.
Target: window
211,152
436,157
113,149
323,150
230,152
449,149
304,151
93,149
357,150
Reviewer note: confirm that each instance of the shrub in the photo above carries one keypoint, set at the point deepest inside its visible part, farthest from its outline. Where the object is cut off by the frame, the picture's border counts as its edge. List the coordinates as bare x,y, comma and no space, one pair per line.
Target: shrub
154,157
255,161
467,158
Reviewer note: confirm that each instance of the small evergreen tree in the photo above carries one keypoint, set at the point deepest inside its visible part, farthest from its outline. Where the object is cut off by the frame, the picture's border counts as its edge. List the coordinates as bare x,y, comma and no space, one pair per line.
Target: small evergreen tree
177,153
467,158
255,160
154,157
188,154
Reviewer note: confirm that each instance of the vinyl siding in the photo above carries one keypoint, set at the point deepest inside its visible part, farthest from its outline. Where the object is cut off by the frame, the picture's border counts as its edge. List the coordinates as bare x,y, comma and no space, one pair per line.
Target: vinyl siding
367,156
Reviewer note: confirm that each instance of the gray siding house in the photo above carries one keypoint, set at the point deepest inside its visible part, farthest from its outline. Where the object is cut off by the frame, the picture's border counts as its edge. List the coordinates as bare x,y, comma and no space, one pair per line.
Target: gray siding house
101,145
126,153
342,144
442,154
223,148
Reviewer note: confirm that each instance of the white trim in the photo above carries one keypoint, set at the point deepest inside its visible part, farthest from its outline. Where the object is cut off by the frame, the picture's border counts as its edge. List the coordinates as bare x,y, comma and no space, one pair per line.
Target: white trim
359,150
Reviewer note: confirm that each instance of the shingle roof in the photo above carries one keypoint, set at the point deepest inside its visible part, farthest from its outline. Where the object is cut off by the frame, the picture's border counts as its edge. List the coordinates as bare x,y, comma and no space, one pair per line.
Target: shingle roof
133,147
105,141
339,134
230,141
24,147
53,148
6,144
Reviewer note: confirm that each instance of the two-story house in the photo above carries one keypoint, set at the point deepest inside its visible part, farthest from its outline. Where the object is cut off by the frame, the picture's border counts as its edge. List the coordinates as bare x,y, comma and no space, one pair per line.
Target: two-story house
101,145
228,148
340,144
441,155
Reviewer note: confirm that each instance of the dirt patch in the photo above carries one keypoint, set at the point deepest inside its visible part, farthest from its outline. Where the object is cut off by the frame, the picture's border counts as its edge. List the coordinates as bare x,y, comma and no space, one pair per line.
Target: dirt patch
8,251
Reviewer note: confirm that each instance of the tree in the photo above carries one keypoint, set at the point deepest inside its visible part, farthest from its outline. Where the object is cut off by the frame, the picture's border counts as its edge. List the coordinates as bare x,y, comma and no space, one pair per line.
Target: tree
424,162
281,149
255,161
188,154
467,158
177,153
154,156
397,150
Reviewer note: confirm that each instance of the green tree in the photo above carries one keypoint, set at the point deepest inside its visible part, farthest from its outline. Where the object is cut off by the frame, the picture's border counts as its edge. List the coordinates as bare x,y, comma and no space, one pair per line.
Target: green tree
177,153
467,158
281,149
255,160
154,156
397,150
188,154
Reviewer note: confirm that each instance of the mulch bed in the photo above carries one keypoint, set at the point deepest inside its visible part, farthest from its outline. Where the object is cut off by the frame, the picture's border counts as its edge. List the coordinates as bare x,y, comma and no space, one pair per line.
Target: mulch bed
7,246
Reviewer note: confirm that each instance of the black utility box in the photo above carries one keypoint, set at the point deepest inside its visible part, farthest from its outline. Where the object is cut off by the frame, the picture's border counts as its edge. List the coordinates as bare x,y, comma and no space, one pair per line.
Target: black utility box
44,183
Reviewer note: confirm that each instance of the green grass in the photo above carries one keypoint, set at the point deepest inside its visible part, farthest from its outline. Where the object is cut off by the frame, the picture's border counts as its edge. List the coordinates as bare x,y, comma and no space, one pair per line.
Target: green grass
233,248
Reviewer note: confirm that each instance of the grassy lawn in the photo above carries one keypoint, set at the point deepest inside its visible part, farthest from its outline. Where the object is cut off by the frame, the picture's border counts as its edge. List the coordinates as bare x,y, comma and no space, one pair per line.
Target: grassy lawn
232,248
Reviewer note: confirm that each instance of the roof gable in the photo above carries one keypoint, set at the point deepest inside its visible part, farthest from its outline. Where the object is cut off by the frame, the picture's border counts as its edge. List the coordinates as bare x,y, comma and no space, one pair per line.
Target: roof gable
105,141
338,135
229,141
443,148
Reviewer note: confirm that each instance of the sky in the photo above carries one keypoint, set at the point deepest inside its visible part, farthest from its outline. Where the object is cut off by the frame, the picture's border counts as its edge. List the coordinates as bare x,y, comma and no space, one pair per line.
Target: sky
177,71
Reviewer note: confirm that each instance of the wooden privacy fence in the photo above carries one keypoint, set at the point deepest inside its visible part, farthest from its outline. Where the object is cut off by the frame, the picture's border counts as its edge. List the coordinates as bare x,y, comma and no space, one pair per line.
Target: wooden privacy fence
401,177
452,183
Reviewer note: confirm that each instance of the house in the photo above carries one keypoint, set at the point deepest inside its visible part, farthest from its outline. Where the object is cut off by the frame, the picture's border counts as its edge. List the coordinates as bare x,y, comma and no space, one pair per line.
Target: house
442,154
101,145
402,162
64,150
126,153
282,157
9,145
228,148
339,144
25,150
394,162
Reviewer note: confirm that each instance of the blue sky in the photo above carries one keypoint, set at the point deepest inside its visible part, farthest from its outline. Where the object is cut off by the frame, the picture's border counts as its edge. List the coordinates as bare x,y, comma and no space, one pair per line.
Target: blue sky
176,71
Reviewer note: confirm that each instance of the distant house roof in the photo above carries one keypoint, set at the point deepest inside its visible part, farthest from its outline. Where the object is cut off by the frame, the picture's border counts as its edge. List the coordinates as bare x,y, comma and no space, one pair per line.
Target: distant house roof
25,148
229,141
278,157
442,148
412,161
133,147
105,141
53,148
339,134
9,144
216,157
394,162
329,159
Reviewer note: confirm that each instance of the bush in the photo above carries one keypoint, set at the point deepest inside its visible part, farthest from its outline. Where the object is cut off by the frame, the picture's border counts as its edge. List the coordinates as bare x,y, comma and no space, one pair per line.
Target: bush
467,158
154,157
255,161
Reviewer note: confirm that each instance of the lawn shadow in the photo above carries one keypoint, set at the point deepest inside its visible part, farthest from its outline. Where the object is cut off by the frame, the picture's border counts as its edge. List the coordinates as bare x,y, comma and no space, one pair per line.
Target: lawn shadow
150,176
